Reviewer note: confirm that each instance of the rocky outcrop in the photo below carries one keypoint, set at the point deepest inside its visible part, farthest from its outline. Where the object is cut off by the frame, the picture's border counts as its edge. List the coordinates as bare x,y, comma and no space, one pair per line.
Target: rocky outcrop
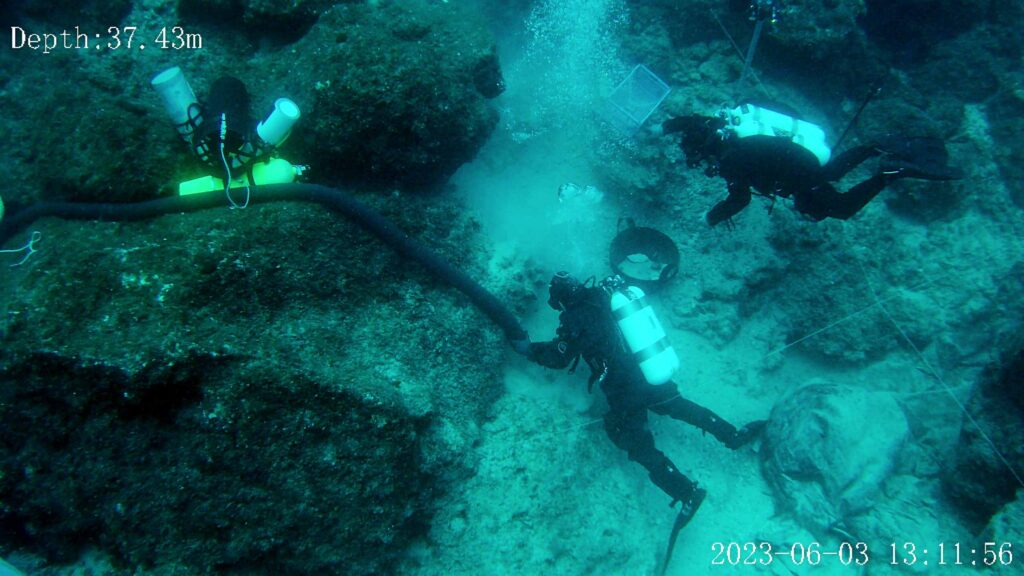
979,479
284,395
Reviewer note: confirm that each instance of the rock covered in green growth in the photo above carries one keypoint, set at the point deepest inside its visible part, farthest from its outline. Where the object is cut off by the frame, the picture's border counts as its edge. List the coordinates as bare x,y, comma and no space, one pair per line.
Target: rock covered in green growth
914,28
1007,527
816,24
262,20
285,394
398,91
1007,128
828,450
253,467
977,478
92,15
825,285
67,130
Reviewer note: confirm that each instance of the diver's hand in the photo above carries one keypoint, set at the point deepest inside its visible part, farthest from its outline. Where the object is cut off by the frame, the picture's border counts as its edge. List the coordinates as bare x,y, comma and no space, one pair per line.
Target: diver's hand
521,346
746,435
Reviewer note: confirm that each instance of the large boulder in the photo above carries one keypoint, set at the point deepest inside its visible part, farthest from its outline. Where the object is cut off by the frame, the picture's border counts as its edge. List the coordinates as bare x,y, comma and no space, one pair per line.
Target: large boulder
392,94
985,471
285,396
828,449
397,91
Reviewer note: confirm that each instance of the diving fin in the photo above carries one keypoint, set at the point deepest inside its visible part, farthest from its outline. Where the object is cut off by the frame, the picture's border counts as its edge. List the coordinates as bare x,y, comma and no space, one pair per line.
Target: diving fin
689,508
916,157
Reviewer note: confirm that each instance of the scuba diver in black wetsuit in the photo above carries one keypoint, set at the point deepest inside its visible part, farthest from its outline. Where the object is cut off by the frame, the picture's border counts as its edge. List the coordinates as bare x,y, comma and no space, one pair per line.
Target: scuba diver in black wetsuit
771,151
596,331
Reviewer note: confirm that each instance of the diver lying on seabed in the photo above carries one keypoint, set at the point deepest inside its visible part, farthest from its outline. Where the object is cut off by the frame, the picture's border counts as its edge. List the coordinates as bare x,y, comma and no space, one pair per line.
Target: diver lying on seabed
773,152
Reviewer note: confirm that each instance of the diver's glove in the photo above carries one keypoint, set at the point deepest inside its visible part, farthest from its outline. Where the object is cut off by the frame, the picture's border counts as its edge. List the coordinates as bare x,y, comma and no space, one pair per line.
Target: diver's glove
746,435
521,346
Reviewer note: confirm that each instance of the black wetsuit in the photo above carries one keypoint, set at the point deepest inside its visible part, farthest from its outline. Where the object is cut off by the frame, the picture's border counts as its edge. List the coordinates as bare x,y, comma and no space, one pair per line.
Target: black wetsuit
588,331
775,166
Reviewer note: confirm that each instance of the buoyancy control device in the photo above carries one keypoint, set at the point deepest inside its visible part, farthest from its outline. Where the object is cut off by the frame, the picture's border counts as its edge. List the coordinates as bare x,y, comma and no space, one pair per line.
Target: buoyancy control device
748,120
642,331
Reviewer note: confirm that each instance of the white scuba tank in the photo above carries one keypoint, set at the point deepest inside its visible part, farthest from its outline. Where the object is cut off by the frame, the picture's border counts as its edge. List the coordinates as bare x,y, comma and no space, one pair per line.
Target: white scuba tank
750,120
276,128
179,100
644,335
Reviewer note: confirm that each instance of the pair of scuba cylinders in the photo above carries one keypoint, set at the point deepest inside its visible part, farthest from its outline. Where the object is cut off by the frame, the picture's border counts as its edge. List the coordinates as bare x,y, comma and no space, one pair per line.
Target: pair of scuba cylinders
748,120
183,108
219,132
642,331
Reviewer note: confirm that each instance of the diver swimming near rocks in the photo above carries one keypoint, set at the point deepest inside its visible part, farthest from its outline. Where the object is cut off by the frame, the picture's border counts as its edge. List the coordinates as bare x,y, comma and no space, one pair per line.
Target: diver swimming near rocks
771,152
612,328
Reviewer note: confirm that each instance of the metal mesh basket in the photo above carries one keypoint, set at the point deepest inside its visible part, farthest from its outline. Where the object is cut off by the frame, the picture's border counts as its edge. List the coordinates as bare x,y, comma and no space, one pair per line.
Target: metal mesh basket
635,98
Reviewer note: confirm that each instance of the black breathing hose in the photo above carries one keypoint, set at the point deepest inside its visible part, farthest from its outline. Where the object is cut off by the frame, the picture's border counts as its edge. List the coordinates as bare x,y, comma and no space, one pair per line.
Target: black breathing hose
330,198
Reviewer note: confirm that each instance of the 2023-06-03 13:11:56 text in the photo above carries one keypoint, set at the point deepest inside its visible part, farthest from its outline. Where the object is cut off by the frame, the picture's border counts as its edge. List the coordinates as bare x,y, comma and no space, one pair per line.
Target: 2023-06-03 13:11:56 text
910,554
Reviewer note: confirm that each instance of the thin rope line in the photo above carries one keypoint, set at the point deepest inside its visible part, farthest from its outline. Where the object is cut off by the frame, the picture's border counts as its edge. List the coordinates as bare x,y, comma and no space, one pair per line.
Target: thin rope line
924,284
877,303
942,382
743,57
779,350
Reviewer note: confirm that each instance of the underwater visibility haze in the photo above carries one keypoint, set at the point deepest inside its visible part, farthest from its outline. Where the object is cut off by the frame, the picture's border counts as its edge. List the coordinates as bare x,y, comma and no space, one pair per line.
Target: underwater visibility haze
552,287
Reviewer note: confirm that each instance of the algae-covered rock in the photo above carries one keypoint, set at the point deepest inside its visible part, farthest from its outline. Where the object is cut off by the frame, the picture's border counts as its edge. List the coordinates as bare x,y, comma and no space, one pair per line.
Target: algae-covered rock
398,91
243,467
1007,130
977,479
267,390
913,28
828,449
1007,527
392,93
817,25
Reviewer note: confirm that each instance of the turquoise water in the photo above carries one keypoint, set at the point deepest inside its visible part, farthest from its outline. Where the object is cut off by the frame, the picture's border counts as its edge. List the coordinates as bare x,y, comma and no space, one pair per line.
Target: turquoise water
272,390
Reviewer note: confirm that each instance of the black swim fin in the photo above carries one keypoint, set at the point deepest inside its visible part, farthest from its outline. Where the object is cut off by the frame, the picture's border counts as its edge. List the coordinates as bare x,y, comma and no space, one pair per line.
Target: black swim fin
916,157
682,519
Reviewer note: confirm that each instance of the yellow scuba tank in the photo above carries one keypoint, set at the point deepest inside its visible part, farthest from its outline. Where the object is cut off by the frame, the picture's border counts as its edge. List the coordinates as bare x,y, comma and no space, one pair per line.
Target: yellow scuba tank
644,334
273,171
750,120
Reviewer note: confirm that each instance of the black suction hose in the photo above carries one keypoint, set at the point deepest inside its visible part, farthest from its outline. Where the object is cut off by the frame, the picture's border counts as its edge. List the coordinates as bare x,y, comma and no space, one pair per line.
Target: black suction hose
330,198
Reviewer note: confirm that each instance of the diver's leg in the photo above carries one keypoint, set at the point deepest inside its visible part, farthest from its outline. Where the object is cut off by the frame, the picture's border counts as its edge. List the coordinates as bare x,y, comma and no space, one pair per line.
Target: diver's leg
628,430
666,400
840,165
824,201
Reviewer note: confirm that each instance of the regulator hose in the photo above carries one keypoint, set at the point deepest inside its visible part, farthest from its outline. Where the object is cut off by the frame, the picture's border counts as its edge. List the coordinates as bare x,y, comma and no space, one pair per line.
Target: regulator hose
331,198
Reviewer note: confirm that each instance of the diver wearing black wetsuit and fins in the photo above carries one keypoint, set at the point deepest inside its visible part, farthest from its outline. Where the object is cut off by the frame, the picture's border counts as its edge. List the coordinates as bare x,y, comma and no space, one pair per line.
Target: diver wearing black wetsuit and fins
587,330
771,152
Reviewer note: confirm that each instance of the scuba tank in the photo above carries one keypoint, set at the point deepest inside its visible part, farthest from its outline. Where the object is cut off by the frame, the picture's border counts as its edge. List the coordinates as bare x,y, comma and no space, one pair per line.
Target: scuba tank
220,133
748,120
642,331
179,101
